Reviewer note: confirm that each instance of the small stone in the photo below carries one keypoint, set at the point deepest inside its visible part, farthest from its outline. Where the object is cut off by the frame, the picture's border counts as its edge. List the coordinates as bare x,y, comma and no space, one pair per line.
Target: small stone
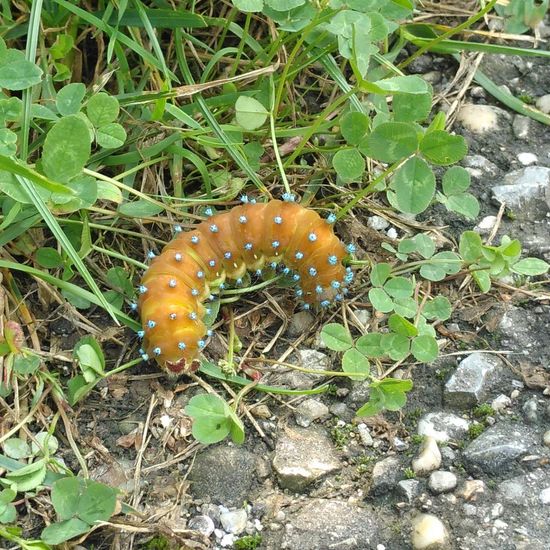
501,402
363,316
523,185
429,458
521,126
543,103
448,455
234,522
544,496
443,426
479,162
399,445
364,434
392,233
227,540
470,383
546,438
202,524
339,409
477,91
514,394
496,510
512,490
485,226
308,411
429,533
409,489
500,525
527,158
303,456
385,476
442,482
469,510
378,223
479,119
471,488
530,409
496,450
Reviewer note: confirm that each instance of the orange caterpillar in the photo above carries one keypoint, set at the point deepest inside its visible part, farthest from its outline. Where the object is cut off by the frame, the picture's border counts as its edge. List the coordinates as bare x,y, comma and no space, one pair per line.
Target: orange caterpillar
277,233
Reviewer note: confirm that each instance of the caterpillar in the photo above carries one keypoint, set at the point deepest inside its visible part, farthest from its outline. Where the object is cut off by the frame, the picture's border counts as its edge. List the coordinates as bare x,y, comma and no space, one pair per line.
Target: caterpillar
280,234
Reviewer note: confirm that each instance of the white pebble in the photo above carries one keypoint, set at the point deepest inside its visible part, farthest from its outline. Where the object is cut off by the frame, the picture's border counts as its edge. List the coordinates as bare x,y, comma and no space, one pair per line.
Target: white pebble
501,402
429,458
527,159
544,496
364,434
479,119
391,233
485,226
546,438
442,482
378,223
428,532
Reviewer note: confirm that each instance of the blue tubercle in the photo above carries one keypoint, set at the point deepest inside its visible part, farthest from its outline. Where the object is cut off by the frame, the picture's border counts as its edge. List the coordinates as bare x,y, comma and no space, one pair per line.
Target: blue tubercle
278,220
212,263
227,255
312,271
201,344
306,306
177,229
319,289
211,297
209,332
145,357
339,297
325,303
133,306
332,260
177,257
208,211
288,197
200,274
195,239
286,271
195,292
157,351
350,248
335,284
242,219
296,277
273,265
151,324
259,272
151,254
214,228
208,311
192,316
172,316
172,283
222,286
141,333
299,292
142,289
312,237
275,244
181,345
244,199
331,218
248,246
299,255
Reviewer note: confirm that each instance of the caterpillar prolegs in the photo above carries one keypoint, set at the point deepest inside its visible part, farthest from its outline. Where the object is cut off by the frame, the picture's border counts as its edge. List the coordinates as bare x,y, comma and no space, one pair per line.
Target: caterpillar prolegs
178,282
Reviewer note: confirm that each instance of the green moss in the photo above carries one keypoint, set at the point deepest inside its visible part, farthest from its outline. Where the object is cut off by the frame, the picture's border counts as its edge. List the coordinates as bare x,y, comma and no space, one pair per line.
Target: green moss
249,542
475,430
158,543
483,411
409,473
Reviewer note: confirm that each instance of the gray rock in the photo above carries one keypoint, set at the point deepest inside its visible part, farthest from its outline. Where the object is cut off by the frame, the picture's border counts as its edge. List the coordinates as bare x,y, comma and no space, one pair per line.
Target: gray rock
527,159
496,450
409,489
378,223
364,434
202,524
443,426
307,358
327,524
482,164
442,482
544,496
469,510
530,410
385,475
308,411
523,185
512,490
521,126
234,522
340,410
472,380
224,474
303,456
